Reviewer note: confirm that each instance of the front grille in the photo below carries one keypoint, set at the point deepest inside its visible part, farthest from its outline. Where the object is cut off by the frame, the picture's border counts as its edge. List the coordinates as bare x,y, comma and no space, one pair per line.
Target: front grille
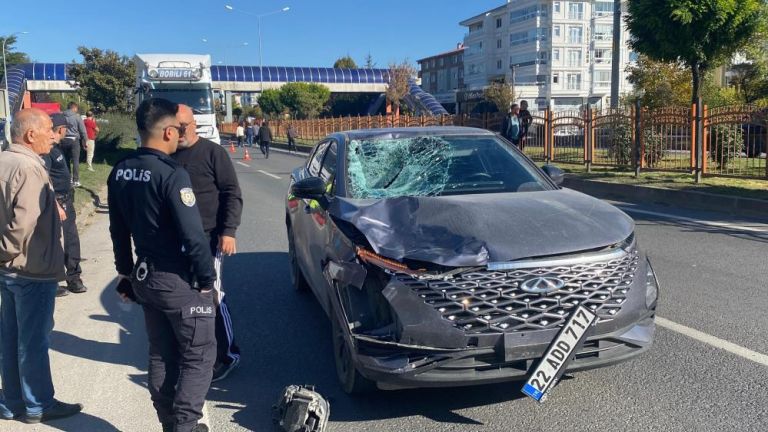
488,301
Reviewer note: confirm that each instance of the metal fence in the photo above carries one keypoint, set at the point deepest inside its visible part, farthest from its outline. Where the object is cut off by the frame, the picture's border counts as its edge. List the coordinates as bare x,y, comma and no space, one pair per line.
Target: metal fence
664,139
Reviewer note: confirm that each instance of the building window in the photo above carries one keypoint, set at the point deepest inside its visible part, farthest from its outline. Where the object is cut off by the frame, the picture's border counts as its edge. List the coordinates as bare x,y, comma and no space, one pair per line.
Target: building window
603,56
556,31
576,10
603,8
574,58
498,22
574,81
555,78
603,31
602,78
498,64
543,57
440,62
575,34
556,55
557,7
498,43
527,13
475,27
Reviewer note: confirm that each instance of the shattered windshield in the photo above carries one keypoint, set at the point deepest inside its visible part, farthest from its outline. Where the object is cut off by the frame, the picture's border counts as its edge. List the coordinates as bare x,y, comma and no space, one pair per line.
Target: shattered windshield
436,165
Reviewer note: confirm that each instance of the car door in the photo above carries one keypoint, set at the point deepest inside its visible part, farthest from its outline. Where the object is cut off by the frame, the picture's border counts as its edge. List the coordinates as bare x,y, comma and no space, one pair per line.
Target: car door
302,224
318,225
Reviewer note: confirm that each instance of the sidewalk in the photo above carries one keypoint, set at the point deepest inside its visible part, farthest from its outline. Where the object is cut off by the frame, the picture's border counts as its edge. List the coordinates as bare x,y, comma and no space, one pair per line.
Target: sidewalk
98,349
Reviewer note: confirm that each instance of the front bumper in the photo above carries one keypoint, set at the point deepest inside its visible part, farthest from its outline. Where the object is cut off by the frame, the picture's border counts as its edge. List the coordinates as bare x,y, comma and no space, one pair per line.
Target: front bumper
507,361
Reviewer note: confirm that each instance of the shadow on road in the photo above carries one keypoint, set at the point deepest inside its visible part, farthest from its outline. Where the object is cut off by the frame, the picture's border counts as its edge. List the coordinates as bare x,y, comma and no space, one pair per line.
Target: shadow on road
285,339
124,352
82,422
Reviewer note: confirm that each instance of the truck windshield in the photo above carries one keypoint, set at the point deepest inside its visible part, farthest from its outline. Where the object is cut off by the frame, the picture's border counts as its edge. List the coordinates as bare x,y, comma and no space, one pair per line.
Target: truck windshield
199,99
436,165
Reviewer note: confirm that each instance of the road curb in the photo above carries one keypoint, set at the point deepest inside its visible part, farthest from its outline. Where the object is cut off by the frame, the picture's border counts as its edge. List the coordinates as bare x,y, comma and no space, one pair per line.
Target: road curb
736,206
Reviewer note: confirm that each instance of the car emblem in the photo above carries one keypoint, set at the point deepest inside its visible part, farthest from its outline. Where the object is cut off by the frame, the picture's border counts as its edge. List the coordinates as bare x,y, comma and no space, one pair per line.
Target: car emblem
542,285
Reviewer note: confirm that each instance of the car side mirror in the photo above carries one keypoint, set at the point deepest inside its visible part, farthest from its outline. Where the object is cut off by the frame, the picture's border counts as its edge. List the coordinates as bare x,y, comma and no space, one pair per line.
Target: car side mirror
312,188
556,174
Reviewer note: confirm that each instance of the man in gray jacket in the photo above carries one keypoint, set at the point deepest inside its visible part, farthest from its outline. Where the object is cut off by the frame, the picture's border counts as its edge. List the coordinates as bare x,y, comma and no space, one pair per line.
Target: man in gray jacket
76,138
31,264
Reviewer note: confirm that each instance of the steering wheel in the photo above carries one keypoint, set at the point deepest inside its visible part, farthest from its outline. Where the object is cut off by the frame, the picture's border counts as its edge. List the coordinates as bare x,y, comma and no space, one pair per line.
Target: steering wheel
479,176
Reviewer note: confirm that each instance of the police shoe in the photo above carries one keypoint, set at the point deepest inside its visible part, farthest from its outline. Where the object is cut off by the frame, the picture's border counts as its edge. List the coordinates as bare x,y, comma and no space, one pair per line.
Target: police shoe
61,291
76,286
58,410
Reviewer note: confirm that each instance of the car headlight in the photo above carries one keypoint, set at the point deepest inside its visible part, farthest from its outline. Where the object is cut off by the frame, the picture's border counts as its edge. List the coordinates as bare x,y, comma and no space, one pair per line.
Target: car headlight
651,286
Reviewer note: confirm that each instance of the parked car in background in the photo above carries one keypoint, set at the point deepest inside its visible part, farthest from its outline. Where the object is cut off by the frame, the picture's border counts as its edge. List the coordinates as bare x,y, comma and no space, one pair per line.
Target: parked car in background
445,257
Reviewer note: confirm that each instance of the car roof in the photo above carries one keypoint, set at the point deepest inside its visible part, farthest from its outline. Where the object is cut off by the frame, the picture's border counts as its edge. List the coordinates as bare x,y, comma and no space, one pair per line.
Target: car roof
410,132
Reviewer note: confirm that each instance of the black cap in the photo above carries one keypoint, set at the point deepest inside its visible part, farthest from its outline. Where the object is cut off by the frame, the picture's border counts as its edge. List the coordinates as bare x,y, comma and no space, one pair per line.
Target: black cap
58,120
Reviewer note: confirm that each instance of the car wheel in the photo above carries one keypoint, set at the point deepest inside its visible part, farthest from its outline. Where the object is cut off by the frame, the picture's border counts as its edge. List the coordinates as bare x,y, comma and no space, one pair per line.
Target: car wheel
350,379
297,277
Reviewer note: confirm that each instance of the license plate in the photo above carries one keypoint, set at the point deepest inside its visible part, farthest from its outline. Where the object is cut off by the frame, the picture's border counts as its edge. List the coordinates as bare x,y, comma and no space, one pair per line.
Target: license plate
559,354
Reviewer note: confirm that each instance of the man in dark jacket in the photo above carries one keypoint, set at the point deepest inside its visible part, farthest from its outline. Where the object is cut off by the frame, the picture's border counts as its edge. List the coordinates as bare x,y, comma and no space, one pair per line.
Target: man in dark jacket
58,171
215,185
265,138
76,138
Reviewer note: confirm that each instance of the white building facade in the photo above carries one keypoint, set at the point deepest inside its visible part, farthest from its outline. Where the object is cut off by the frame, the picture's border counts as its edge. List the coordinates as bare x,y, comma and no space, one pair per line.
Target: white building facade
557,53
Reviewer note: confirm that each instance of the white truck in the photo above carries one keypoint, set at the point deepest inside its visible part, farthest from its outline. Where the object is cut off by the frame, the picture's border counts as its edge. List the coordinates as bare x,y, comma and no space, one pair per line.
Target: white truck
180,78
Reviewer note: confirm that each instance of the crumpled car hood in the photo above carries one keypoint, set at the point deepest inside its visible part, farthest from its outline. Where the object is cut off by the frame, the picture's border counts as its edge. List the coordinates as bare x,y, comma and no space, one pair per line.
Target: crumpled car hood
473,230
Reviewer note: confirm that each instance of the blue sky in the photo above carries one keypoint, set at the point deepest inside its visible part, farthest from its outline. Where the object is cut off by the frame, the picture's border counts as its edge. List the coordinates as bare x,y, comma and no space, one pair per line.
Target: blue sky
311,33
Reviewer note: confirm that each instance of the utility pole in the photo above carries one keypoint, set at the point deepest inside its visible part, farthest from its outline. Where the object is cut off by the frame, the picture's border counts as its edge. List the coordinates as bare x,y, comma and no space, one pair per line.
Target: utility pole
616,55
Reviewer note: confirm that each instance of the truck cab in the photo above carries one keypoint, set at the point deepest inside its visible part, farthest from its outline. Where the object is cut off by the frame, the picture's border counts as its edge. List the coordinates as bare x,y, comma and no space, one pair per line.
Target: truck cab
180,78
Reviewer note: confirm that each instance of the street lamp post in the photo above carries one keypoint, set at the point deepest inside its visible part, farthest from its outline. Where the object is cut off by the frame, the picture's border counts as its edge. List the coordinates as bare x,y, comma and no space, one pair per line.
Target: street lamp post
258,20
5,77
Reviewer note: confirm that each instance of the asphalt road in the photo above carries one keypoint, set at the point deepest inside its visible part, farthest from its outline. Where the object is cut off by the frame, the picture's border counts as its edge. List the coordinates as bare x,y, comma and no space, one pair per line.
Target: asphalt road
714,280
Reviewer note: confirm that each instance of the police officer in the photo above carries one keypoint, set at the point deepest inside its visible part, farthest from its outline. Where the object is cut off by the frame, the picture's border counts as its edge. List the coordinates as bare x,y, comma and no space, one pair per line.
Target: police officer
58,170
151,201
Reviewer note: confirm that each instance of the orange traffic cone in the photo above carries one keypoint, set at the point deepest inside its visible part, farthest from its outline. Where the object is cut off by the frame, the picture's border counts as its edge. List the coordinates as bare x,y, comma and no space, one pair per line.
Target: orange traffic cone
247,156
231,147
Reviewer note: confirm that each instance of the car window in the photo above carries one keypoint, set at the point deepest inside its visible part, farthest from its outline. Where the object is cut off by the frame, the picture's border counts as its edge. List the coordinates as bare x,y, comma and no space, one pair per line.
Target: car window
328,169
314,163
434,165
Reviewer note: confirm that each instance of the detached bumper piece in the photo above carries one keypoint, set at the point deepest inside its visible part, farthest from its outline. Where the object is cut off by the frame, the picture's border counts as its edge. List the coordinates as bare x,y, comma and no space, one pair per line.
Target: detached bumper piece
398,367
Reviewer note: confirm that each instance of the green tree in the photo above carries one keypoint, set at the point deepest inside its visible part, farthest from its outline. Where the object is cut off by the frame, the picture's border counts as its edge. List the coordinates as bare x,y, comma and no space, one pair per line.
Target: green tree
369,63
104,79
661,83
397,82
699,34
499,94
348,104
12,56
345,62
304,100
750,77
270,102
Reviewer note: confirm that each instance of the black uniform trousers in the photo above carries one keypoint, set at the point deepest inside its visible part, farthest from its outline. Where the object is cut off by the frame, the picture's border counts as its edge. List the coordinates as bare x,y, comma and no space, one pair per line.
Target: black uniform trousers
71,237
70,147
182,346
264,147
227,350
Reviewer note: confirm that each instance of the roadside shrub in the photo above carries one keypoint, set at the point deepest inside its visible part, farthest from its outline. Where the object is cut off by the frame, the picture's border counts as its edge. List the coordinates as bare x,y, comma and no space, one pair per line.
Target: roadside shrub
725,143
654,148
115,131
620,149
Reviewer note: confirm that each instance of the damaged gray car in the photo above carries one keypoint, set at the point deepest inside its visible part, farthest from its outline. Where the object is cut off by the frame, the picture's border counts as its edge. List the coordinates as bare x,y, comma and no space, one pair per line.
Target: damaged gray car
444,257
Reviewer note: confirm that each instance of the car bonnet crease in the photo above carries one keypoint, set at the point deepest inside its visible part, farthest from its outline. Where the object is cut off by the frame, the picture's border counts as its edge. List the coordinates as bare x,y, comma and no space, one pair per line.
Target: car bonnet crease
473,230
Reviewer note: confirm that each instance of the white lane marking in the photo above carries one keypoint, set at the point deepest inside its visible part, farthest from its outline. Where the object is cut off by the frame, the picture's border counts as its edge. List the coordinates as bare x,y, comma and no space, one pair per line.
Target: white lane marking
714,341
243,164
697,221
269,174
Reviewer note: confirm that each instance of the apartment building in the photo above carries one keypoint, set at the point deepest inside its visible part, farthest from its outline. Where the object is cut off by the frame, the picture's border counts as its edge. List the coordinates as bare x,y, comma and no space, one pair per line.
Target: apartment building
442,75
556,53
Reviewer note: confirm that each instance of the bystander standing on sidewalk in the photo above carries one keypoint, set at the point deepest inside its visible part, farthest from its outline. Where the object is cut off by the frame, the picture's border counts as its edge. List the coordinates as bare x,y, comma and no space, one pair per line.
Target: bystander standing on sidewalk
510,127
292,135
214,182
240,134
76,138
58,171
525,122
91,130
265,138
31,264
249,134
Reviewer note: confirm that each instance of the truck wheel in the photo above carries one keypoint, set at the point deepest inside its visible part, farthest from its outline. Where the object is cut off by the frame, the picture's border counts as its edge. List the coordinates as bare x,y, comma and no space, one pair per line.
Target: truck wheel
350,379
298,281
